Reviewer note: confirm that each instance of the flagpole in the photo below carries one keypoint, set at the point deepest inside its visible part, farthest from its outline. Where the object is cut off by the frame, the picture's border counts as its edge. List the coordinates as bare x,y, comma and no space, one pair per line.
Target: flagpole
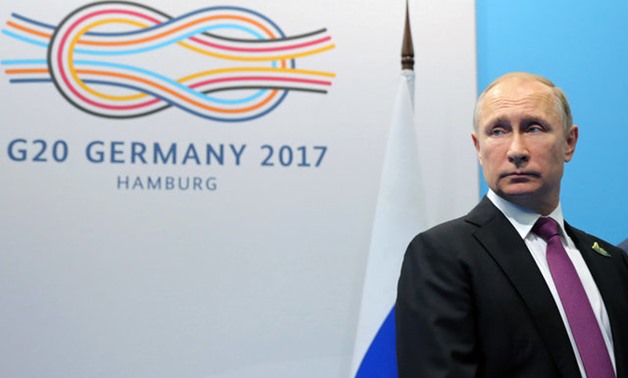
407,55
407,48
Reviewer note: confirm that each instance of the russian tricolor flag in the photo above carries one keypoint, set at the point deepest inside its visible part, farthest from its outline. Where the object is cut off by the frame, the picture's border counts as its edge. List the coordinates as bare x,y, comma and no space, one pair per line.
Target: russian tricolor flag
399,216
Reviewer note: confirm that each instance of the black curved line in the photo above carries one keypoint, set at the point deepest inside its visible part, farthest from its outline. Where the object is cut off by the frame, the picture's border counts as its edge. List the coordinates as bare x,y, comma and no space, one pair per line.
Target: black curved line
57,30
269,87
304,35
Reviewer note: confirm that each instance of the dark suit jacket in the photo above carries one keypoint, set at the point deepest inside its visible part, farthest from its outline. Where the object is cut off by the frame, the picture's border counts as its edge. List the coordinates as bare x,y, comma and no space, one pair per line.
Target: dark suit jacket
472,302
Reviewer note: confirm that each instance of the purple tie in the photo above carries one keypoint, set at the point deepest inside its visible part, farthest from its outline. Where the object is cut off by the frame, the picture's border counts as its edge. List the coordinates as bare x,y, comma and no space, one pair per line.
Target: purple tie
582,322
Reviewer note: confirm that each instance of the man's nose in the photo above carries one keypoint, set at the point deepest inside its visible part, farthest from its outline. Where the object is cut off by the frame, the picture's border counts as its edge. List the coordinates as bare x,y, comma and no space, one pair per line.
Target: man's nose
518,152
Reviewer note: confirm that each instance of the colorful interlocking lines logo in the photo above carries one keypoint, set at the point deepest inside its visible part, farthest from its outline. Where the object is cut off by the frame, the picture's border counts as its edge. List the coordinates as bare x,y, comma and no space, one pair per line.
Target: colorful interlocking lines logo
247,63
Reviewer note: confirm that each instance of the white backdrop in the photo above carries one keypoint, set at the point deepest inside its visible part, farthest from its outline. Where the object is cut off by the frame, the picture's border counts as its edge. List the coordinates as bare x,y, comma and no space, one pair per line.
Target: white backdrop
260,276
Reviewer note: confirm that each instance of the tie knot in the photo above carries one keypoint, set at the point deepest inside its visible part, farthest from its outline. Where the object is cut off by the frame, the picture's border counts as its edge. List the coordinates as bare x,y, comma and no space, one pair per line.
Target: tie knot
545,228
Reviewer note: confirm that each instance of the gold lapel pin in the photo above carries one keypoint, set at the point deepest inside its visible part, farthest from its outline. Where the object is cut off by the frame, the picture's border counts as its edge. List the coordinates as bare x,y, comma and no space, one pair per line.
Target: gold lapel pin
596,247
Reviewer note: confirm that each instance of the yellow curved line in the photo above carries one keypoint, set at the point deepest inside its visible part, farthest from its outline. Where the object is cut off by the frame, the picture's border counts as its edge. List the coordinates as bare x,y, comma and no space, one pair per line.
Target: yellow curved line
261,58
72,68
76,40
168,32
208,73
135,78
74,74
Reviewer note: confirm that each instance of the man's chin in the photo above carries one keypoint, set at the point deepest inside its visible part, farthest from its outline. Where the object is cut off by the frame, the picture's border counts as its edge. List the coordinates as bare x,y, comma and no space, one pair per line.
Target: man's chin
518,191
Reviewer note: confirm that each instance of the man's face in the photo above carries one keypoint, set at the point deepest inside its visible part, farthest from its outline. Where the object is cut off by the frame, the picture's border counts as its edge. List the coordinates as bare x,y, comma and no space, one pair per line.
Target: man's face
521,144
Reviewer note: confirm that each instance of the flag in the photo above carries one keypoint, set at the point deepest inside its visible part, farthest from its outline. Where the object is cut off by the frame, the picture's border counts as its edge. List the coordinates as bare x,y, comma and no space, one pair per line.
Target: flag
399,216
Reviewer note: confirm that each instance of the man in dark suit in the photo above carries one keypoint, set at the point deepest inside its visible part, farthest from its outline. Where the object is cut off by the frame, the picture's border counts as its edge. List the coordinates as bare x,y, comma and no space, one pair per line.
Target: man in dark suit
477,296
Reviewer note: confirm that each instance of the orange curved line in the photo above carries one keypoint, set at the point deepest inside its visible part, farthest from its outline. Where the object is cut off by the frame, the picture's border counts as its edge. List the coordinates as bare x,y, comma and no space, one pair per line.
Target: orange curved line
147,39
27,71
29,30
165,89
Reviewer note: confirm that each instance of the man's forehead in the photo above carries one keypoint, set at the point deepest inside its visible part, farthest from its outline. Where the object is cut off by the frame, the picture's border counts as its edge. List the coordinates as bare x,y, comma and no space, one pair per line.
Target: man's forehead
515,87
525,97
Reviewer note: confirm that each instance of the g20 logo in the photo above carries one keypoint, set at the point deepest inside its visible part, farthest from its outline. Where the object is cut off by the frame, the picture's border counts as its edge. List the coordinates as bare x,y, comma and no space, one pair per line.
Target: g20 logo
118,59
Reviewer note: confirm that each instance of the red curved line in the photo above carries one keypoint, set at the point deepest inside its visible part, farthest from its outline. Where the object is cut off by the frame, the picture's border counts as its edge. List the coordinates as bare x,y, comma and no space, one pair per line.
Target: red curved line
64,40
130,107
261,49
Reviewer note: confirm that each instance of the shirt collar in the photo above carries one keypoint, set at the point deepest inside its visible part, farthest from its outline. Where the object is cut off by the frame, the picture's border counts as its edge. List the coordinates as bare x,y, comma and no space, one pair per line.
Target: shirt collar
521,218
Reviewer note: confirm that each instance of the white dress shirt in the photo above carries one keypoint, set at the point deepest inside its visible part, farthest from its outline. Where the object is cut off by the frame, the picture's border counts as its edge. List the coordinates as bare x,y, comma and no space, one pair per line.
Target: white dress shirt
523,220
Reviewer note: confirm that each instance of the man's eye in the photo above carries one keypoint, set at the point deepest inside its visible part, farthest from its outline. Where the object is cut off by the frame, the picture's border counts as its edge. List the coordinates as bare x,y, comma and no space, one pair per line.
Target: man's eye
498,132
535,129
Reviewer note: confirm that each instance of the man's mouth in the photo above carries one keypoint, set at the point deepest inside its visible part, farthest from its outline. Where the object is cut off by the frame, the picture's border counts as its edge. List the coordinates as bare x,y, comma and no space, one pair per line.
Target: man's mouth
520,174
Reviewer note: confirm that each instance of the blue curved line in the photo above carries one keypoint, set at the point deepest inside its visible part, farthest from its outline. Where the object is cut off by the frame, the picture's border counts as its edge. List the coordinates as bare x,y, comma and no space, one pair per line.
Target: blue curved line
189,110
23,81
34,22
277,29
173,83
49,80
24,39
168,42
14,62
148,73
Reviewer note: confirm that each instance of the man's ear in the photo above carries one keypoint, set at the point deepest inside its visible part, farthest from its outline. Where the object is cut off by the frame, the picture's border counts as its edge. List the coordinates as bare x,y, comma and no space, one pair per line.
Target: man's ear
572,140
476,144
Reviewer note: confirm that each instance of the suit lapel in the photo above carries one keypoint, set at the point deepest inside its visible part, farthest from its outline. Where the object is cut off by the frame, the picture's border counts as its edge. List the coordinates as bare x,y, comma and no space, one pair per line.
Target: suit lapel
611,286
503,243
